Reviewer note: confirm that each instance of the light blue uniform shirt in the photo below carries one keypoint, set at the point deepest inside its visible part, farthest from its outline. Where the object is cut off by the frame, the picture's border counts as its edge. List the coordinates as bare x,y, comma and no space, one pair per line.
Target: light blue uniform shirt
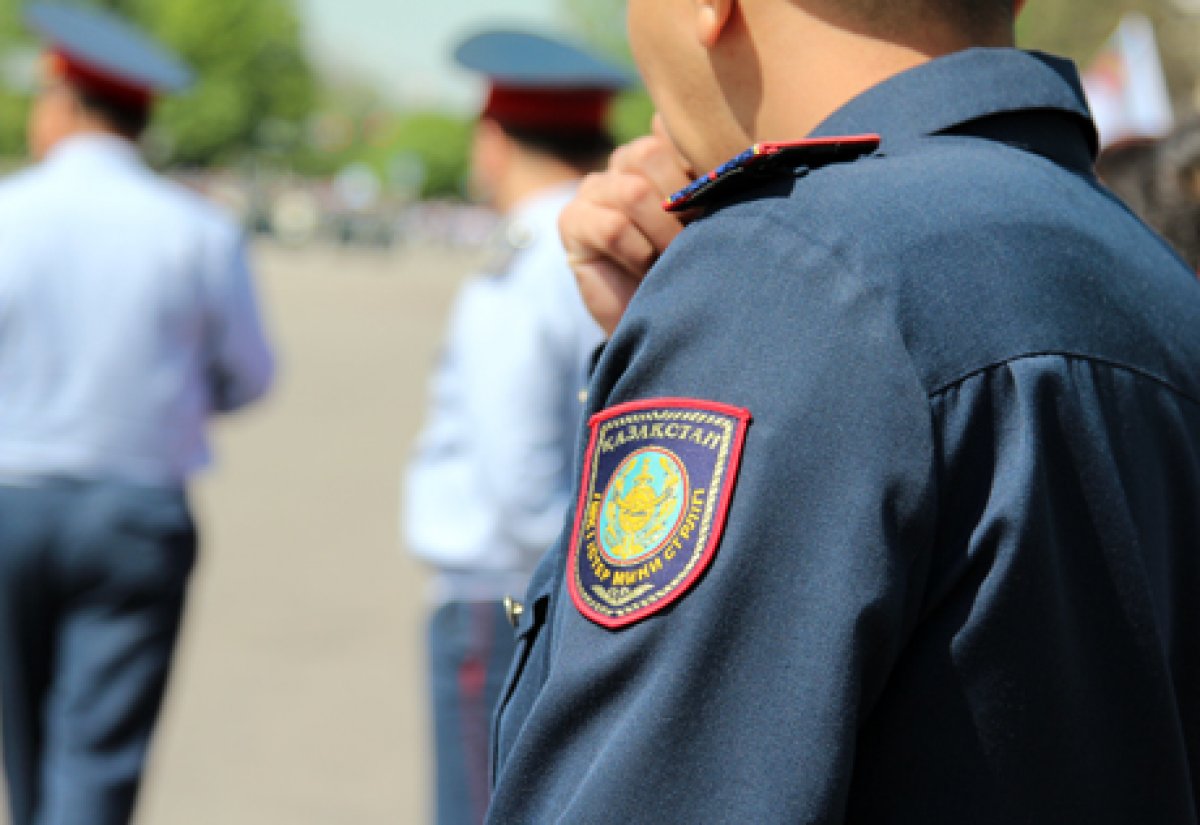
488,487
127,317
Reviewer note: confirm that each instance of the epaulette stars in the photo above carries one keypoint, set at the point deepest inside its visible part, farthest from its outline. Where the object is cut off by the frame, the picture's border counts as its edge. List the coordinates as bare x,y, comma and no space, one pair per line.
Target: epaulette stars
764,159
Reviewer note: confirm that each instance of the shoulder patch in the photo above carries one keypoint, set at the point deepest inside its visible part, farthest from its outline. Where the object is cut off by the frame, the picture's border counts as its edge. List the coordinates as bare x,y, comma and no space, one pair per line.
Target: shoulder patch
657,480
766,159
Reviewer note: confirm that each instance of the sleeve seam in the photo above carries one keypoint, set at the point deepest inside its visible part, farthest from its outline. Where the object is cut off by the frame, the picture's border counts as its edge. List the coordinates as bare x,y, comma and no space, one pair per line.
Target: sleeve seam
1068,355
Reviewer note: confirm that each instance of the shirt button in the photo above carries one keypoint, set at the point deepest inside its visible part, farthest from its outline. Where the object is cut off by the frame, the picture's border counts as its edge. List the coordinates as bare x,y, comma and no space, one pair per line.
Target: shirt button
514,610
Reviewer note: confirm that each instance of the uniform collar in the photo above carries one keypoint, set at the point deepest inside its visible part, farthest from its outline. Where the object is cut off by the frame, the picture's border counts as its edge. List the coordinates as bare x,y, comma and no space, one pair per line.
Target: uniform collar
1028,100
956,90
530,221
90,148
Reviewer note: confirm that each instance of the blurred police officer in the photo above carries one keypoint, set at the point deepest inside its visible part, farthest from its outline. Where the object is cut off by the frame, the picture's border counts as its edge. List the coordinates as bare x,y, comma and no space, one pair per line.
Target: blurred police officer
888,512
127,318
487,488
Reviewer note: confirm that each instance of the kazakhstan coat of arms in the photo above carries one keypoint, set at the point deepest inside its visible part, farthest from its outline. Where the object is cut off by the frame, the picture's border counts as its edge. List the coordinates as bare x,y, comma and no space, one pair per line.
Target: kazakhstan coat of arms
657,481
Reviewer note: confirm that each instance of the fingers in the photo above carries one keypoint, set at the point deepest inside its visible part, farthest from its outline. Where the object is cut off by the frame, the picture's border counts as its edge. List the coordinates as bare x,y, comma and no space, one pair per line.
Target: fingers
615,228
607,251
618,217
654,158
639,201
606,291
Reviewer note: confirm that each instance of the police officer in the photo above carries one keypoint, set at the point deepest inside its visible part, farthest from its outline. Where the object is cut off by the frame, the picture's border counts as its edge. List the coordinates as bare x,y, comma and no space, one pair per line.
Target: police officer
490,480
127,318
887,512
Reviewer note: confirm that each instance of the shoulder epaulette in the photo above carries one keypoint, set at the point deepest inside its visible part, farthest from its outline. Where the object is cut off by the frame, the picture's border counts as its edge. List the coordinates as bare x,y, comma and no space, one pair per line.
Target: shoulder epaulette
765,159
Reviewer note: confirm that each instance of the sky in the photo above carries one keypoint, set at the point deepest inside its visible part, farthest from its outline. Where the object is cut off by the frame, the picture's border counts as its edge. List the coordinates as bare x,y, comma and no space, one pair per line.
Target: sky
404,46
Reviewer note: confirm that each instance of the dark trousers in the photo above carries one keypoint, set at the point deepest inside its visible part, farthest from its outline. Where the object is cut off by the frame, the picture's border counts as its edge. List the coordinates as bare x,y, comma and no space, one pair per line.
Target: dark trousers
93,577
470,647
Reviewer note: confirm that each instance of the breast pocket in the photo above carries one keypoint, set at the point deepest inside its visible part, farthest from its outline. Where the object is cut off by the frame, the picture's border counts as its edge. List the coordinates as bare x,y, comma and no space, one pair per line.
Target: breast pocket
526,674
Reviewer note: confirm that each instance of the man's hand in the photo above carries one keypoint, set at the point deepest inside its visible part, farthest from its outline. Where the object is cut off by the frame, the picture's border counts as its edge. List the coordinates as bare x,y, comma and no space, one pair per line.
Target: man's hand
616,228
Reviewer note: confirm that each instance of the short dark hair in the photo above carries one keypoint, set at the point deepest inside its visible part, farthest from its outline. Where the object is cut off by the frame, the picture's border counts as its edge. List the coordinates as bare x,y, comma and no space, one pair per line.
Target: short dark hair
128,119
585,151
980,18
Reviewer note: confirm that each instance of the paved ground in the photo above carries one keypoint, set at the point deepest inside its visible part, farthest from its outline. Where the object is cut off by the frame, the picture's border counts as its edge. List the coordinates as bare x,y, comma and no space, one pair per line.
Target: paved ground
299,694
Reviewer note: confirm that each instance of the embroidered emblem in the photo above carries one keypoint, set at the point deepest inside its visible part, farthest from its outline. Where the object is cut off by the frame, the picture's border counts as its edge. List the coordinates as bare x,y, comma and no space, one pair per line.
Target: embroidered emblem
764,160
657,482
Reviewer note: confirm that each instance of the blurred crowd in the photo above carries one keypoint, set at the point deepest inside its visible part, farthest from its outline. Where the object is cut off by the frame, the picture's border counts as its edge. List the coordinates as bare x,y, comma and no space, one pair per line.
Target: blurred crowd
300,211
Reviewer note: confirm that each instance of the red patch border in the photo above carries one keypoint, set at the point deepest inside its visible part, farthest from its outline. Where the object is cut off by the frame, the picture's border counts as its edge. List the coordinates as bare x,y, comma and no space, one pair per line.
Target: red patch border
718,527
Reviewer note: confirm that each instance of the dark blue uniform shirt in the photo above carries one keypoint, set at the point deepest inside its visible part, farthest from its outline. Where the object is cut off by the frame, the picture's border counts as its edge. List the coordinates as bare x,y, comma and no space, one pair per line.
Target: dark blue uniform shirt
959,574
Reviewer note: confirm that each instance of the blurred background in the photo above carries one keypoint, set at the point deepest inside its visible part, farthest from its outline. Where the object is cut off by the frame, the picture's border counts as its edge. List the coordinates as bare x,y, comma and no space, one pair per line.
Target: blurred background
322,120
344,120
337,130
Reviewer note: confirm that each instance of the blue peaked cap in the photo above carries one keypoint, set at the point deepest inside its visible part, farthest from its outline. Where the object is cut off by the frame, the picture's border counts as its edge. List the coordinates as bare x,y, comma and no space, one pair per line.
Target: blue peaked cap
107,44
524,60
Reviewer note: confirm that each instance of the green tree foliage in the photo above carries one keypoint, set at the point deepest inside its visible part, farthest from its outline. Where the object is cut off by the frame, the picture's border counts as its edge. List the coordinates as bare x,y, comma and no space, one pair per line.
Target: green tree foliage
631,115
601,24
442,142
1080,28
14,102
1058,26
356,124
255,86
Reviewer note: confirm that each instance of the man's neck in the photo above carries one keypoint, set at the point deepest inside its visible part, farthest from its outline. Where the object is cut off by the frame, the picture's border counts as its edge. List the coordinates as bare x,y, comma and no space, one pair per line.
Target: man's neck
816,67
88,132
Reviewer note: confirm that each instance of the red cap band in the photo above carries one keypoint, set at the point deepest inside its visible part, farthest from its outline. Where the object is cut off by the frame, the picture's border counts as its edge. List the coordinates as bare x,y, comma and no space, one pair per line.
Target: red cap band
101,83
551,109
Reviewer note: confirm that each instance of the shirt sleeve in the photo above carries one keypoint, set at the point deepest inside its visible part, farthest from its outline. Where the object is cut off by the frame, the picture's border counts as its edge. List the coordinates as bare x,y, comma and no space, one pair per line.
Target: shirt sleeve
742,701
241,365
521,398
490,480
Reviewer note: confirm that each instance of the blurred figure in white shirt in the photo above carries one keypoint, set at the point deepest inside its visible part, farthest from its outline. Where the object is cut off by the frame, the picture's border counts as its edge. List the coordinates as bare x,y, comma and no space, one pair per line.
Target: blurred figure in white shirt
487,488
127,319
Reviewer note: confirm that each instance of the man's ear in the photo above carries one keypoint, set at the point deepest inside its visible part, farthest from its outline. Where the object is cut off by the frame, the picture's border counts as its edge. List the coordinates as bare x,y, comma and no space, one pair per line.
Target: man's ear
712,18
